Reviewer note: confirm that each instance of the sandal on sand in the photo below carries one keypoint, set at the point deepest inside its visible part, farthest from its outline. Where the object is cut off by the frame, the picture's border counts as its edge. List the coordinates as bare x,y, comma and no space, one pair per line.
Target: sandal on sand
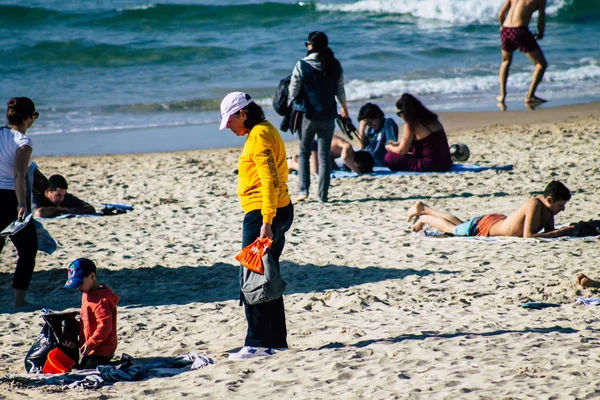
301,197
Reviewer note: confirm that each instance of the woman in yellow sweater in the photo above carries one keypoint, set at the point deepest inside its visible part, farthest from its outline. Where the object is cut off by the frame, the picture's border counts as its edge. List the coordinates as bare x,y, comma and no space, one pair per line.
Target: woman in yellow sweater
263,193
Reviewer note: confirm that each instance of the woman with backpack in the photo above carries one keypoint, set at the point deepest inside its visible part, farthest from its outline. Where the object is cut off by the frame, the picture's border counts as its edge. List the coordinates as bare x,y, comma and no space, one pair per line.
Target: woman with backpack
317,80
15,157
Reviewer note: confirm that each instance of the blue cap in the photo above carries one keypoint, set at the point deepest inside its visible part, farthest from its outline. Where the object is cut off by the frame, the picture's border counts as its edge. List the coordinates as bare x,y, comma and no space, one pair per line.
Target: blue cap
78,270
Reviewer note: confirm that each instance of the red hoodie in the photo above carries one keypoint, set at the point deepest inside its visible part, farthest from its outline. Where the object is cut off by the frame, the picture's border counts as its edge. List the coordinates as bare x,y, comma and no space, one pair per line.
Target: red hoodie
99,321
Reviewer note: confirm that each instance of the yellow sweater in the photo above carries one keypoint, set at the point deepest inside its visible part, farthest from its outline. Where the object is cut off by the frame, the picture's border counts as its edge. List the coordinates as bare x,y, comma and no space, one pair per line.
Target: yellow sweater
263,172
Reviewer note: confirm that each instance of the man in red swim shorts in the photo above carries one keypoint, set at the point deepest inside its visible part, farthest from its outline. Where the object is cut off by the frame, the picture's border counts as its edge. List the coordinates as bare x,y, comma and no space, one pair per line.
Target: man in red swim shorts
514,19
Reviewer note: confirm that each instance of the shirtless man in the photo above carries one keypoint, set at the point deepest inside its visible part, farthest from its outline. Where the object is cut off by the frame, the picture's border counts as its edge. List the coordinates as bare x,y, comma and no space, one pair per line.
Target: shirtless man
536,214
514,19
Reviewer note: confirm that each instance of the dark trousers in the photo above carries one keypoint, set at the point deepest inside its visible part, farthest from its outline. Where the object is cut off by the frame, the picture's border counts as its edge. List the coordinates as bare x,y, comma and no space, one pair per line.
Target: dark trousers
266,321
324,132
91,362
25,240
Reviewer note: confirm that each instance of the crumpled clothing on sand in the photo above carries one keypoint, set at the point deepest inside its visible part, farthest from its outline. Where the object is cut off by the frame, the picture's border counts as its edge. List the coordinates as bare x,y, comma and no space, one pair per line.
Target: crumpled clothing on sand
128,369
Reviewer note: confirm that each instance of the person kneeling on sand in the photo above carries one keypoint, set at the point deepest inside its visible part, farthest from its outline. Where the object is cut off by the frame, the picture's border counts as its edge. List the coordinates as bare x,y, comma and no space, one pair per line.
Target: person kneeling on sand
56,201
536,214
98,314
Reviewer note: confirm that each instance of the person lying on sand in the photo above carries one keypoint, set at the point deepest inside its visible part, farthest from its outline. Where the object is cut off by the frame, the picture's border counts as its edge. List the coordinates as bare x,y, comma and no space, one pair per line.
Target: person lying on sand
56,201
536,214
361,161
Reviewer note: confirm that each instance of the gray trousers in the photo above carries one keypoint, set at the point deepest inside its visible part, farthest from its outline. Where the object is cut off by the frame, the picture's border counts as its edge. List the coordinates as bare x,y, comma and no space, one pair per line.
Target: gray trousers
324,132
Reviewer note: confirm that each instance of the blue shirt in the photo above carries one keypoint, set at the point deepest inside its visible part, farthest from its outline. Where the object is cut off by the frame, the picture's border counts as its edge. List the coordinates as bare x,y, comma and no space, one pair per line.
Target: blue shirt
378,140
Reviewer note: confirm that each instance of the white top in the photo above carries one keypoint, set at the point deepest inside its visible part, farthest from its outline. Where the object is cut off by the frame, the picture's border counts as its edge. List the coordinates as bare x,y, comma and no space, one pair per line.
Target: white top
10,141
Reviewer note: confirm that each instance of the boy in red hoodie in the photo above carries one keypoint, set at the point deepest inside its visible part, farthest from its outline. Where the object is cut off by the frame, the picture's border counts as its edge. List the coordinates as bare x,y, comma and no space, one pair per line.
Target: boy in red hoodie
98,327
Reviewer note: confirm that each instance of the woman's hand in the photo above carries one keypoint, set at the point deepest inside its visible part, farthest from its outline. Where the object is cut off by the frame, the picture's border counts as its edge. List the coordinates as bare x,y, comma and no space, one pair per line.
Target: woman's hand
21,211
344,112
393,147
265,231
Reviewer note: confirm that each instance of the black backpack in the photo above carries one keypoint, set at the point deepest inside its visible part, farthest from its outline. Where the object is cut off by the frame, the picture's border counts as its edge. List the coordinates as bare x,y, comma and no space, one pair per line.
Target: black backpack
586,228
280,99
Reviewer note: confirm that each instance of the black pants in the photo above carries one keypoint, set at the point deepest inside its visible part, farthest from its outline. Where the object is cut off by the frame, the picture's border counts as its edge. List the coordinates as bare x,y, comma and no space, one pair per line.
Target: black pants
266,321
91,362
25,240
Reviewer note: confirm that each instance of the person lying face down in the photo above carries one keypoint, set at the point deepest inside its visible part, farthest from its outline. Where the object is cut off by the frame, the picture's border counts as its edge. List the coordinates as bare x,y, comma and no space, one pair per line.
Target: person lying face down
56,201
535,215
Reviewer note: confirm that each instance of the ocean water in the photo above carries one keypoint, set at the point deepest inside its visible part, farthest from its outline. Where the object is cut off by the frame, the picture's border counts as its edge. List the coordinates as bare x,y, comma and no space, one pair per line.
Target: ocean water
121,64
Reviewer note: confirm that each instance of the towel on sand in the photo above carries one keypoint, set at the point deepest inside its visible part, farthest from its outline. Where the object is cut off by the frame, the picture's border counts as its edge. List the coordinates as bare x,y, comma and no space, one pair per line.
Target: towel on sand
440,235
107,209
456,169
127,369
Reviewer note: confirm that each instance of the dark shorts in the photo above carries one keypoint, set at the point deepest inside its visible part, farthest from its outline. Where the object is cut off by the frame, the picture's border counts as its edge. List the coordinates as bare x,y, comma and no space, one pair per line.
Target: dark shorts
518,38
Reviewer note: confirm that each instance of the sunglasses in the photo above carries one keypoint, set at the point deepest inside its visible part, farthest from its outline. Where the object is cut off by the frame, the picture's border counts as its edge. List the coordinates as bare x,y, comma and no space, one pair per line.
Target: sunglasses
306,44
35,115
399,113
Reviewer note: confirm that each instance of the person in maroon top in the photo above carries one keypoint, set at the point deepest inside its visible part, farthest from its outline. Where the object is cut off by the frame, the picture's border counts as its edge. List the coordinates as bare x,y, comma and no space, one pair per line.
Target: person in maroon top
424,145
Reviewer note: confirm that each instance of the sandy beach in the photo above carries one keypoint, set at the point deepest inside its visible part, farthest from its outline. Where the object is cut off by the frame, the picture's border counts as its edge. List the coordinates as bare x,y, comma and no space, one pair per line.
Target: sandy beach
372,311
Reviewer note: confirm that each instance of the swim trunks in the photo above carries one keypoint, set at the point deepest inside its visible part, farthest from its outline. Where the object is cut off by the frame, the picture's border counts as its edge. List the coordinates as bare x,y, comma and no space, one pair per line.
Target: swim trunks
467,228
484,226
518,38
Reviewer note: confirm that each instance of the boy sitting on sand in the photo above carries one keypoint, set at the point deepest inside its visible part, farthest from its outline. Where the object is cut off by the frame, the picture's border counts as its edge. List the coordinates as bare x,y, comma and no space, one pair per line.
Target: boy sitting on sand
98,315
537,213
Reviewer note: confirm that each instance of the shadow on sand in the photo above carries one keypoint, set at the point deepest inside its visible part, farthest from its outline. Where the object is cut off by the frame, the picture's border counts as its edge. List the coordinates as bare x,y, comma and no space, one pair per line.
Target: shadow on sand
463,195
423,336
160,285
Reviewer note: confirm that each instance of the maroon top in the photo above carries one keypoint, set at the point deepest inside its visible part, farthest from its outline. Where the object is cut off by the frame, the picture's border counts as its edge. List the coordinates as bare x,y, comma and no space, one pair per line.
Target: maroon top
430,154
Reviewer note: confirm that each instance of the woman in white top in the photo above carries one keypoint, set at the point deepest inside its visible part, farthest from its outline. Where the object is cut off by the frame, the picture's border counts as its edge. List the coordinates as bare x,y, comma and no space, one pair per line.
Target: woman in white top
15,155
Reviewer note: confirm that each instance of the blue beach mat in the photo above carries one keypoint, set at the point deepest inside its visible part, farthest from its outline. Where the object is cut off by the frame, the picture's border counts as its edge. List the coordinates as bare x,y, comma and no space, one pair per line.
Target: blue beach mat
456,169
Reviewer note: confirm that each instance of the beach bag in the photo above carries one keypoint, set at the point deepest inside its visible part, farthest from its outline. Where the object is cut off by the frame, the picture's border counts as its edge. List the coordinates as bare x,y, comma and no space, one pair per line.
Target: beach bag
60,330
280,99
251,255
261,288
586,228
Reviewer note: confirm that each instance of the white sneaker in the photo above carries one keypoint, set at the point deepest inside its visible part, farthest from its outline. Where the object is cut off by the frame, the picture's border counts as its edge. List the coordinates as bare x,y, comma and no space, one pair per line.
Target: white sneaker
248,352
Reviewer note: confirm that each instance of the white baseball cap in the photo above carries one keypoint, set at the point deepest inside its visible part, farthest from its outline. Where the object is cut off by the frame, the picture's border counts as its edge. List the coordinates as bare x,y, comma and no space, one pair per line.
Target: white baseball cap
231,104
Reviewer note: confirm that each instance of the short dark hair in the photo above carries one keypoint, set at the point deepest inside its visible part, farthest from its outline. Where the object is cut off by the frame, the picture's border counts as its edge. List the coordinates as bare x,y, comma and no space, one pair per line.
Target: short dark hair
370,111
557,191
364,161
255,114
57,182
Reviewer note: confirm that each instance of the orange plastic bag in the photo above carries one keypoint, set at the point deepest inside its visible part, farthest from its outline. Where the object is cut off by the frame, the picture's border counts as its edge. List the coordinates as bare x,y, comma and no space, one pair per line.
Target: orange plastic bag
251,255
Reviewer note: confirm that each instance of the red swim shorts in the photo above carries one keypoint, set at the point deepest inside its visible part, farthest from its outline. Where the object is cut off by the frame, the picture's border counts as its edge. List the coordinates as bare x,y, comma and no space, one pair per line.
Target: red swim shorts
518,38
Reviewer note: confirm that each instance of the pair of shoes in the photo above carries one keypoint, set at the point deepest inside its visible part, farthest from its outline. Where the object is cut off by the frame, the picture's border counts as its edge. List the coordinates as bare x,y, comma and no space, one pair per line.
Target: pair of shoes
301,197
248,352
